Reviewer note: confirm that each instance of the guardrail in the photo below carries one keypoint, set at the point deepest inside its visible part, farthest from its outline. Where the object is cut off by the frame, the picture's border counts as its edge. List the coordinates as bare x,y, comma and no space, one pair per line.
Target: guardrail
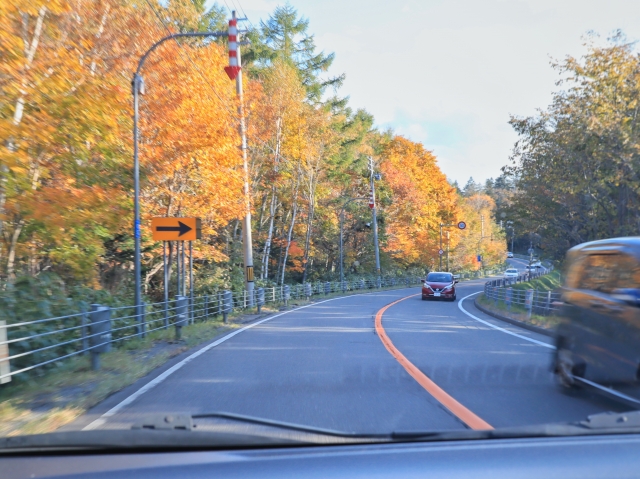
532,300
28,345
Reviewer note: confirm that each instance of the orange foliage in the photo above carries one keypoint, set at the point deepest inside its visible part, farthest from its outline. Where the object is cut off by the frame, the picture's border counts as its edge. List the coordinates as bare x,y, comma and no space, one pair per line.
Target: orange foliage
420,199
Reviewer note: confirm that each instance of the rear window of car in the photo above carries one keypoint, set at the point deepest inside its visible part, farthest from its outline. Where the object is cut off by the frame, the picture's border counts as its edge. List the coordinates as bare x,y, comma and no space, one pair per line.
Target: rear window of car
512,271
439,277
604,272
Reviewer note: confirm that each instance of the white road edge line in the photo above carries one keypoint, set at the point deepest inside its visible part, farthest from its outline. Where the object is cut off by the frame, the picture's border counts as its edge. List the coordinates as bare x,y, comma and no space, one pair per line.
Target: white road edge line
154,382
540,343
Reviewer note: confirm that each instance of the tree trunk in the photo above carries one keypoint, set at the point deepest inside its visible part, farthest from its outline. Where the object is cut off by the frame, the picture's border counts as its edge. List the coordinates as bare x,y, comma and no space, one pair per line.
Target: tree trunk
307,241
264,273
294,211
11,257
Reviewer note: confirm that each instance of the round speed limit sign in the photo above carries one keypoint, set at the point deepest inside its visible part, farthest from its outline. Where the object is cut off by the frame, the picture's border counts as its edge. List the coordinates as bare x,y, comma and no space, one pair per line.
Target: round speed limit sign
462,225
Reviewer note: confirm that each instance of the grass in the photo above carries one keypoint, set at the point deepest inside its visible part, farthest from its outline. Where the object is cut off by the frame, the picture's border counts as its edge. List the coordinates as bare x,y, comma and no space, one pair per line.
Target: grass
548,282
43,403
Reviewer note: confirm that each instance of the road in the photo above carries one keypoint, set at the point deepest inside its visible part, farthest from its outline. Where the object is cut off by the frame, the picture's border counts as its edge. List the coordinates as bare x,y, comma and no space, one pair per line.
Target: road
325,366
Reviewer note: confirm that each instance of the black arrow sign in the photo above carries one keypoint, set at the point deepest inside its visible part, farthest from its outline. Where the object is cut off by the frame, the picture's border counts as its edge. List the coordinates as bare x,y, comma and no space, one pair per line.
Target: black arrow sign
181,228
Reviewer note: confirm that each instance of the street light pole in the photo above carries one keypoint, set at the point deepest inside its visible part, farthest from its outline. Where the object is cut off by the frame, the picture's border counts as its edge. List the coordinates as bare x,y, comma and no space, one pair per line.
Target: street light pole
137,84
374,218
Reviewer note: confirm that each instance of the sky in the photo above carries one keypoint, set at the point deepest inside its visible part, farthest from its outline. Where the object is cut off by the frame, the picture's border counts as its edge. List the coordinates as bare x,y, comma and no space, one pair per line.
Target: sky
450,73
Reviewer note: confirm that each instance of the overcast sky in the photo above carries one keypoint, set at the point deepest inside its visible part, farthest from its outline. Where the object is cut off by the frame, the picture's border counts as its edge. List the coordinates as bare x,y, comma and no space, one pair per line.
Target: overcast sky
449,73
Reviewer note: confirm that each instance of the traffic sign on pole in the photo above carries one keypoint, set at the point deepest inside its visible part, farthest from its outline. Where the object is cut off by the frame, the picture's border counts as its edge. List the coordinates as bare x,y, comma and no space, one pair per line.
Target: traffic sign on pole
462,225
176,229
440,252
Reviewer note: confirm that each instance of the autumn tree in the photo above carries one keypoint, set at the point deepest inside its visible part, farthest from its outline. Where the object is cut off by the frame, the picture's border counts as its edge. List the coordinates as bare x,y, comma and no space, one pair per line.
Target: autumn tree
575,165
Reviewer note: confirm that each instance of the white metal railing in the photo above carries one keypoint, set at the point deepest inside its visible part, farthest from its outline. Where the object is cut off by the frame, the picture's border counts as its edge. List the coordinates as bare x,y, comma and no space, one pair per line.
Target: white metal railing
501,291
29,345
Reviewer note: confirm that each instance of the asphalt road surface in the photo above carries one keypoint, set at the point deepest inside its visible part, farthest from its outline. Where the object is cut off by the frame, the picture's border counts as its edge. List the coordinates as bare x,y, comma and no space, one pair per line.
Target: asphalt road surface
325,366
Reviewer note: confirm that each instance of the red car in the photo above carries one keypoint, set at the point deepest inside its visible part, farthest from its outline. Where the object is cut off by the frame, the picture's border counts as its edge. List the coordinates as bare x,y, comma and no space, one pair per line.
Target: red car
439,285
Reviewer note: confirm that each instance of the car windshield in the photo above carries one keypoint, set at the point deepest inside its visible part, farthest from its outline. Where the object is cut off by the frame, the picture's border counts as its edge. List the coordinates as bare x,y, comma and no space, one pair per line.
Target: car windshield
439,278
214,212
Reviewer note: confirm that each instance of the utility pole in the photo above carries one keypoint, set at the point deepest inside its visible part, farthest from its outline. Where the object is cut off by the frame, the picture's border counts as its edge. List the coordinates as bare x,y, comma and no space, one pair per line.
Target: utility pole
440,256
372,205
447,251
234,70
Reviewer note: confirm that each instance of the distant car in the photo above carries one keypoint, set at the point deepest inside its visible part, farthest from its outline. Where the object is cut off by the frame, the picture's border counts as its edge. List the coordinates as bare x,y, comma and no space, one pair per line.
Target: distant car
439,285
511,273
537,264
509,254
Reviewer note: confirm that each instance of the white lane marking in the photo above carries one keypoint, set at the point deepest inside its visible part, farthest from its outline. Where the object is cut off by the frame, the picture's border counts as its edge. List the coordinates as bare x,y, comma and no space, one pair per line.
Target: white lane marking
154,382
540,343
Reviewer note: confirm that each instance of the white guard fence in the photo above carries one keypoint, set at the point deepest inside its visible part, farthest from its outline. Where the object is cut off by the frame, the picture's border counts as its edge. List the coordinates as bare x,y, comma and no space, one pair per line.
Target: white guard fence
500,291
29,345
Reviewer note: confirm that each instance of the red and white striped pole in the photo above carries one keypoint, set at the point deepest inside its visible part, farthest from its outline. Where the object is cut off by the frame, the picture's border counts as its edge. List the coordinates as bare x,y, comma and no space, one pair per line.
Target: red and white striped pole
234,70
234,55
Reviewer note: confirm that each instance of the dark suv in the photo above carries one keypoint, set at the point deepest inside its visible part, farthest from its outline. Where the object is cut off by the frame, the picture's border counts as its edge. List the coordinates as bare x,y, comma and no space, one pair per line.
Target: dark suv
598,338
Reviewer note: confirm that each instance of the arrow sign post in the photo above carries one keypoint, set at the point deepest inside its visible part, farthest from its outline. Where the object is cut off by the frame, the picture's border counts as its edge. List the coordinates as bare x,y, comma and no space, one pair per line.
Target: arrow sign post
176,229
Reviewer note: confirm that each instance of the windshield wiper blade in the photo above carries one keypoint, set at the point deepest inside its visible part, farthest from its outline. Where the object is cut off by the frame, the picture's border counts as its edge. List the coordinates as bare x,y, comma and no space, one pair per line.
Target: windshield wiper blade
285,425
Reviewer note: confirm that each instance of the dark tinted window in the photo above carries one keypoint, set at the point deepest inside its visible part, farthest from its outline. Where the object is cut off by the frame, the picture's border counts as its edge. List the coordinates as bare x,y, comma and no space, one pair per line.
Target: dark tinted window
440,277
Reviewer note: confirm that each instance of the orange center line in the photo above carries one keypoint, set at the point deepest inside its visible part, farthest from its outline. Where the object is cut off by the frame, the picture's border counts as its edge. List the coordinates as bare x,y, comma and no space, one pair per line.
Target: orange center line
457,409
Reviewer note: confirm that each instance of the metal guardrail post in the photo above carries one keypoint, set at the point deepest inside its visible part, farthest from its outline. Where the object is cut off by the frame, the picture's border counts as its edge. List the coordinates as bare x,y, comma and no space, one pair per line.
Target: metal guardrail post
327,288
182,314
83,331
528,301
307,290
219,297
143,319
165,307
259,299
205,307
286,294
227,304
100,329
5,366
548,305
